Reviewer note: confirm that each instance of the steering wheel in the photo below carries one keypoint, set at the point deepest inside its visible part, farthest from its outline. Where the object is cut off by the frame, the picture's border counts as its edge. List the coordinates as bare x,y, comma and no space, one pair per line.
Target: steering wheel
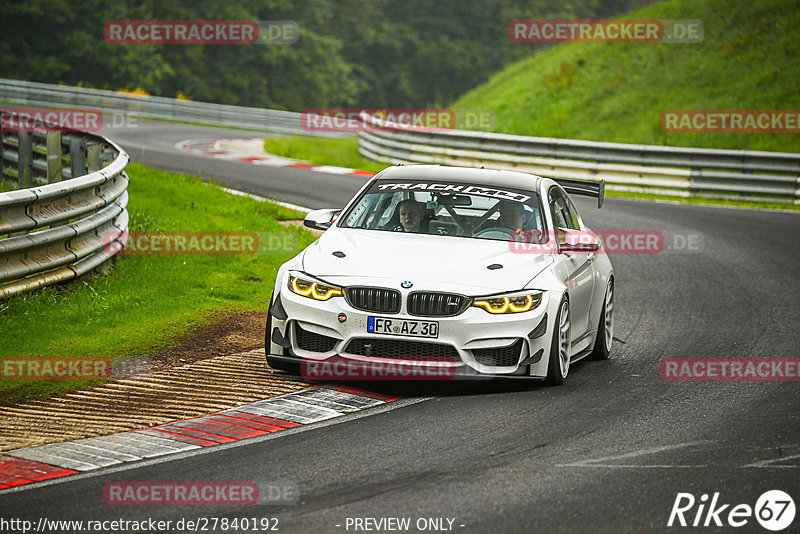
495,232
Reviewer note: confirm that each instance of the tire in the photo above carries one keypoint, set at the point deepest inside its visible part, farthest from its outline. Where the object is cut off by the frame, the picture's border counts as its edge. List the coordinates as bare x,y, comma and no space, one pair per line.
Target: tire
558,362
605,329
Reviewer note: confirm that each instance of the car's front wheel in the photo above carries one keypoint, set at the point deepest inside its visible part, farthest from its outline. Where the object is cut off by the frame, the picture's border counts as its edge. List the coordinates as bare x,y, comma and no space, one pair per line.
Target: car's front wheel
558,364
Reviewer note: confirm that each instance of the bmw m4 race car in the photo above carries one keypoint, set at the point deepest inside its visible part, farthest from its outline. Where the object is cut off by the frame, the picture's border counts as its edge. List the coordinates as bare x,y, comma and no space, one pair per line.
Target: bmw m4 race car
450,272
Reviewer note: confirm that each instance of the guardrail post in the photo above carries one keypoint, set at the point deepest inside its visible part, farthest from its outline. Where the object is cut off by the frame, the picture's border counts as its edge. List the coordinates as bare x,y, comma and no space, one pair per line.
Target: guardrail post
797,191
77,156
2,153
93,156
106,157
53,157
54,163
25,162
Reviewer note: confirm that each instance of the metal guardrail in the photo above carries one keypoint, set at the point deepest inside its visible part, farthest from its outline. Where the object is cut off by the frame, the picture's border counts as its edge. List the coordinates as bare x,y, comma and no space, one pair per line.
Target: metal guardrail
154,107
73,223
688,172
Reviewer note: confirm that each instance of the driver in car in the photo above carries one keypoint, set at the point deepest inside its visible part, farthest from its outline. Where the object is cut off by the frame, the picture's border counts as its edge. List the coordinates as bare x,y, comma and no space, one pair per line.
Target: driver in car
411,214
512,216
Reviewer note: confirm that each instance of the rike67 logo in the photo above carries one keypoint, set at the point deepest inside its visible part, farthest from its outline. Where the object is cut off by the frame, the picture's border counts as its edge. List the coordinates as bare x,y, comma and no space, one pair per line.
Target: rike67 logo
774,510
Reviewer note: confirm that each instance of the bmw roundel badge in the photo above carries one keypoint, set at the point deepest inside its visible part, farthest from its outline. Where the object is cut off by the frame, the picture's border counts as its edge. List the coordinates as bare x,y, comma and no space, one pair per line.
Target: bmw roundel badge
406,284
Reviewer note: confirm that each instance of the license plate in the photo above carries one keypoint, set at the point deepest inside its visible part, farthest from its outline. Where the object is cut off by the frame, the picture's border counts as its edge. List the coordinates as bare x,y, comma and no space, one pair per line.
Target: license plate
402,327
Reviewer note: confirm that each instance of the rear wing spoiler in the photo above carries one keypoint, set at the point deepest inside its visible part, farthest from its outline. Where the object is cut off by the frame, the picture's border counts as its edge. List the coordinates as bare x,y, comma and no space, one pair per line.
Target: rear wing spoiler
589,189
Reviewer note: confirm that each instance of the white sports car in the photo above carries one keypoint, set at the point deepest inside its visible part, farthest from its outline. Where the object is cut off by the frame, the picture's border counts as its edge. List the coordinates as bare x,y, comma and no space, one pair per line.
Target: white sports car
434,271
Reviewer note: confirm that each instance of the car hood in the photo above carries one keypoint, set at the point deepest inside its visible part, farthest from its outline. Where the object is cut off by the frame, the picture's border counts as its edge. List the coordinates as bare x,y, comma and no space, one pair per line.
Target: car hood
429,262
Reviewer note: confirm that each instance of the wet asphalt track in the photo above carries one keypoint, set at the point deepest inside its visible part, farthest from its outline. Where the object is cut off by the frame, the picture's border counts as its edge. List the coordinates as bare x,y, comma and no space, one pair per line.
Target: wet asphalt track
607,452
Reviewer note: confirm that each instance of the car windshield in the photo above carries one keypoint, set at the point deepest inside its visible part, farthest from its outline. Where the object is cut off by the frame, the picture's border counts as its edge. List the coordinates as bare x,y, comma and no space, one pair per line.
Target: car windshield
448,209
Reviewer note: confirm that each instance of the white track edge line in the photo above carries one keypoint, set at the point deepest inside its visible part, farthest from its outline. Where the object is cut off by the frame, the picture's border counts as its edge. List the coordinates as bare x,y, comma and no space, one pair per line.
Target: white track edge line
265,199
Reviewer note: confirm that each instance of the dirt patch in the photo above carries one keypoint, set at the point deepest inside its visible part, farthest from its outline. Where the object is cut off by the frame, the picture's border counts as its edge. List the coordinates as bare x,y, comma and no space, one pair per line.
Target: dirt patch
226,333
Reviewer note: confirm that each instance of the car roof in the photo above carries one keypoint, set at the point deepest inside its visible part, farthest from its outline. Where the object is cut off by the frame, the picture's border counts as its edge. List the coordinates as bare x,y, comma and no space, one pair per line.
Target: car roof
518,180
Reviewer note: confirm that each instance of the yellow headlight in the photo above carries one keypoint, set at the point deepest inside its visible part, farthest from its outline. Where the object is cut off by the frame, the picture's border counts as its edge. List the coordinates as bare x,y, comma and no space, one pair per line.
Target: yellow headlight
313,290
516,304
493,305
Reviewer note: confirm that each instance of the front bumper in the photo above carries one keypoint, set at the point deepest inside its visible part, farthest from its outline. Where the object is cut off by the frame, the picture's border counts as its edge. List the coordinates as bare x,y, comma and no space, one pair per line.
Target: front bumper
473,344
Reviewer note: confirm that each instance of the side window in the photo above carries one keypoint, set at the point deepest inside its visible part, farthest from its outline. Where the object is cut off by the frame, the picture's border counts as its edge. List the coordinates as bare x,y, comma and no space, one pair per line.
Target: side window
564,214
574,221
559,218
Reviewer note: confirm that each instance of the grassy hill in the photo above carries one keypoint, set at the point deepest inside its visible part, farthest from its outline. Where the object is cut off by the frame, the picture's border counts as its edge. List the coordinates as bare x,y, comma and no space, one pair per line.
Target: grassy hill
749,59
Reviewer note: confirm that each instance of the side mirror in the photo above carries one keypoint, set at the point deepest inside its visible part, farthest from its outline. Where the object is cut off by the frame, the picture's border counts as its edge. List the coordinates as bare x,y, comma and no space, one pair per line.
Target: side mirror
321,219
577,241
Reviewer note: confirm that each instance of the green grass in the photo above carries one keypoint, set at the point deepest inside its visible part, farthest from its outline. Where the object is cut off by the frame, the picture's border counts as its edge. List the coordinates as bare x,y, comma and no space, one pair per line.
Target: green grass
616,92
340,152
6,185
147,301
